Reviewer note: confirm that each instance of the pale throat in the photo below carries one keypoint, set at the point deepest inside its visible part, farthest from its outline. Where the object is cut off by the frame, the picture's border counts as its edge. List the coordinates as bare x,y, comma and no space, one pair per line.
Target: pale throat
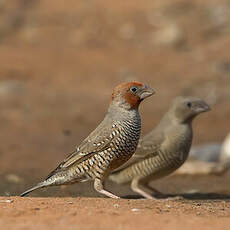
118,110
121,103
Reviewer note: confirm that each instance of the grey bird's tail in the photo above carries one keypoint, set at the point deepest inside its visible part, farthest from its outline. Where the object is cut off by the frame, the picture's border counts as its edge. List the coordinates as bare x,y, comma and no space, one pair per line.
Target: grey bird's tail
39,185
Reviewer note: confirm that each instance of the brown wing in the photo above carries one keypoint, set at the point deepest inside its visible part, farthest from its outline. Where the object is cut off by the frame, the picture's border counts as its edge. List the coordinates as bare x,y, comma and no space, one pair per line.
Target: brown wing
98,141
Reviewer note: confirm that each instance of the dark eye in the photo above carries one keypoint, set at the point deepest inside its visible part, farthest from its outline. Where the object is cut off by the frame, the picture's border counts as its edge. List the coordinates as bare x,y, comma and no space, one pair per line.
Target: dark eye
189,104
133,89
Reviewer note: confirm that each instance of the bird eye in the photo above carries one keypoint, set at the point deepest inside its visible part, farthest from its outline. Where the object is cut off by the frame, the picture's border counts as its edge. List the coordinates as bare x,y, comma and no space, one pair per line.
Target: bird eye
189,104
133,89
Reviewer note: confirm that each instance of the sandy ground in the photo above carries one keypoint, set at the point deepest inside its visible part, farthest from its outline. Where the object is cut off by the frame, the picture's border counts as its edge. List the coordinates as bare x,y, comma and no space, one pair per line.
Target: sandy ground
102,213
204,203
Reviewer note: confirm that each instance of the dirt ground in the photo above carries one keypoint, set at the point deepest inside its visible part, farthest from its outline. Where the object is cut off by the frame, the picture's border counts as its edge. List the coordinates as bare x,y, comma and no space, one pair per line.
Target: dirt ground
100,213
58,65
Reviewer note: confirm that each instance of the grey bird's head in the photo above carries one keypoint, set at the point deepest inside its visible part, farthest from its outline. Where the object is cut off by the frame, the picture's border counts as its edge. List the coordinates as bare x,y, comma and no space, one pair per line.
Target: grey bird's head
185,109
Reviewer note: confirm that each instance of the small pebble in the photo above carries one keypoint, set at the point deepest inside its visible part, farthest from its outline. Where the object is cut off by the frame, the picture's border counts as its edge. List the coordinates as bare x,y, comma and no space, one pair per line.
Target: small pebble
135,210
116,205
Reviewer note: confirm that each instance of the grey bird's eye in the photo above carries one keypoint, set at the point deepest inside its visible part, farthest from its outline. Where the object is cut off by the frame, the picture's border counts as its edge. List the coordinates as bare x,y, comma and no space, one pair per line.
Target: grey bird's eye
189,104
133,89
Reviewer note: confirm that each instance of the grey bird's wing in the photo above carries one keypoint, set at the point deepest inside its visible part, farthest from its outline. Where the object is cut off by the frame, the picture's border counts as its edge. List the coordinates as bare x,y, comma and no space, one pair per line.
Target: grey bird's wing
148,146
98,141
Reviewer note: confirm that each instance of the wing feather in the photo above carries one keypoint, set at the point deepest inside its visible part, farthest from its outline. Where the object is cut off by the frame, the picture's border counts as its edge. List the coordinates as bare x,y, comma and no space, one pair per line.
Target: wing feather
99,140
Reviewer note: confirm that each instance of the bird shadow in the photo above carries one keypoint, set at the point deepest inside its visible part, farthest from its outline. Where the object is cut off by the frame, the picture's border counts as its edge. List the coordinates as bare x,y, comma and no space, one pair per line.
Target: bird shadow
188,196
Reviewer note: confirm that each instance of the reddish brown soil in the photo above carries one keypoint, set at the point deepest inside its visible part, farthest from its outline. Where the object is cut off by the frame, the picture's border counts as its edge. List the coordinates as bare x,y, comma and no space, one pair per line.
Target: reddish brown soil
58,64
96,213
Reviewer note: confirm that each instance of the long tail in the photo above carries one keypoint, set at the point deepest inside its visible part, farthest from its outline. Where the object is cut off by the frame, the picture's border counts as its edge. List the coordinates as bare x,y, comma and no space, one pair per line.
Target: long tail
39,185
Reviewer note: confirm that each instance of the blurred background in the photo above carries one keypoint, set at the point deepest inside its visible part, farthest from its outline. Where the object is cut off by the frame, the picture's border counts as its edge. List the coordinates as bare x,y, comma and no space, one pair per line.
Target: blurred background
59,61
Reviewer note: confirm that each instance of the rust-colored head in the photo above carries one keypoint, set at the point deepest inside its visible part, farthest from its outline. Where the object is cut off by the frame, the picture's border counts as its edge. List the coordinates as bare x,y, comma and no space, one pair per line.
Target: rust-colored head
130,94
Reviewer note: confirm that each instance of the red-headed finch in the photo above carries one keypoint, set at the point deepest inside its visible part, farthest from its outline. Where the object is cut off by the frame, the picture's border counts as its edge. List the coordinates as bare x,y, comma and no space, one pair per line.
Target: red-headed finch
109,146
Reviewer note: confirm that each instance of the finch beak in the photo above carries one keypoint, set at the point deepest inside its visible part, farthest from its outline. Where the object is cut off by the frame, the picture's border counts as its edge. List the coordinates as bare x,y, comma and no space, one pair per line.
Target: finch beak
146,92
203,107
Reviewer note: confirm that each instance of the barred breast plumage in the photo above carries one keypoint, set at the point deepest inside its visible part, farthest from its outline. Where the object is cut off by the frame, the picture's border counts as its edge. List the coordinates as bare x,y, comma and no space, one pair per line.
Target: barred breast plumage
123,141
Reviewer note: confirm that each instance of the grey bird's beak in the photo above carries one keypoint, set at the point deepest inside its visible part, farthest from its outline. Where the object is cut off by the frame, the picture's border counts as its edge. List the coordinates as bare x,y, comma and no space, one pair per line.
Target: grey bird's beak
203,107
146,92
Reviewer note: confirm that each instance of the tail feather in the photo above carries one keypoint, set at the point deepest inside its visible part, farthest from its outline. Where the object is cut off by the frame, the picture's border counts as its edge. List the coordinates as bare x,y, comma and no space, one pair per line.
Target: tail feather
39,185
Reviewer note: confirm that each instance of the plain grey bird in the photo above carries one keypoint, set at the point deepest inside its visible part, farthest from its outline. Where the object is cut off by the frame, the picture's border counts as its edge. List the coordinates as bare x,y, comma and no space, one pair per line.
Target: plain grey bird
164,149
